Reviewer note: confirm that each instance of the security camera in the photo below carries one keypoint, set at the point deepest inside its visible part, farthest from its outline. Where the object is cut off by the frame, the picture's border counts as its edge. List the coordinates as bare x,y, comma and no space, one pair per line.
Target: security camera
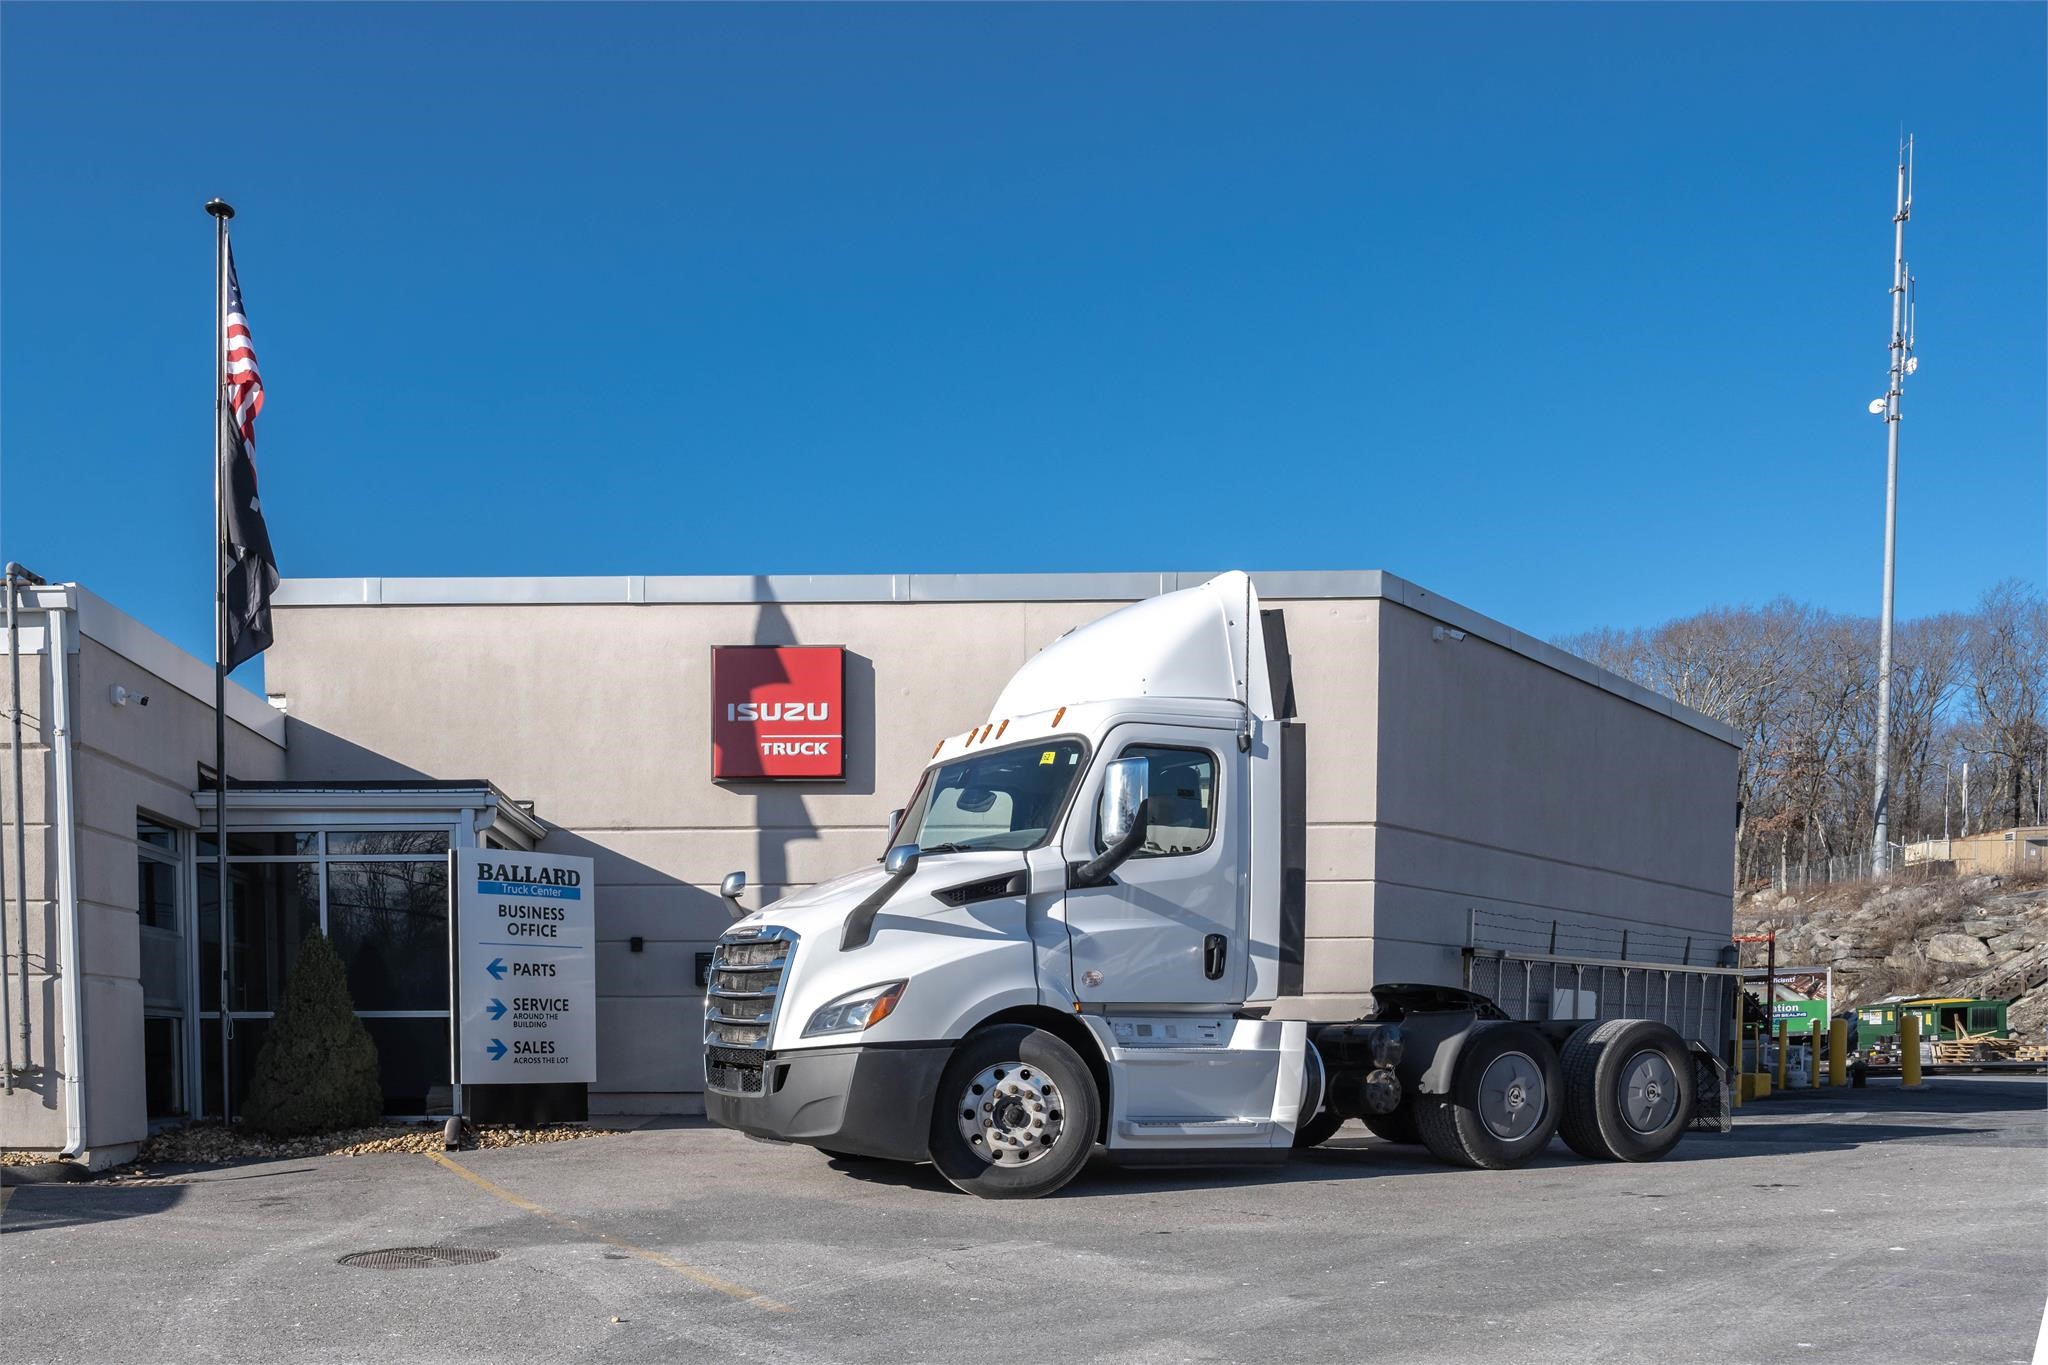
1446,633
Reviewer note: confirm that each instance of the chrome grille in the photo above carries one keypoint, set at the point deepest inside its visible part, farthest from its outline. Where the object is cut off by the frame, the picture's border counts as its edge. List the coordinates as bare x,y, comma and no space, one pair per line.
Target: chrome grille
747,968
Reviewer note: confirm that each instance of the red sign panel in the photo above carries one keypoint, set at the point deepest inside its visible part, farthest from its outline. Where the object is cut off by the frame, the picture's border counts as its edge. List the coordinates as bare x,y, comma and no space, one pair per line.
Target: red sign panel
777,711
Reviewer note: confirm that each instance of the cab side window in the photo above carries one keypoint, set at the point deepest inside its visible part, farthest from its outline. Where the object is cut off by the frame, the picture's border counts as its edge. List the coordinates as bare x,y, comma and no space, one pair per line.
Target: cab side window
1182,803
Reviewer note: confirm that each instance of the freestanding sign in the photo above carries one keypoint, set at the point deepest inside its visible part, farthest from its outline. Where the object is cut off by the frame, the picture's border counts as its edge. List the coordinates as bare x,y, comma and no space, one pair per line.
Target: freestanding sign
778,711
524,958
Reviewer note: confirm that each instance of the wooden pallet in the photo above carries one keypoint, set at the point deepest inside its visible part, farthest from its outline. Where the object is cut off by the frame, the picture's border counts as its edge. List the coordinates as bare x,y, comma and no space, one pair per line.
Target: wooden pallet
1967,1049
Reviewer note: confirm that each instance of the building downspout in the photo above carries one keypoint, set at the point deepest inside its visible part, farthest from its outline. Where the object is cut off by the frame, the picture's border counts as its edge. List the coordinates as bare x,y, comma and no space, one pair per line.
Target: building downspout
17,577
71,982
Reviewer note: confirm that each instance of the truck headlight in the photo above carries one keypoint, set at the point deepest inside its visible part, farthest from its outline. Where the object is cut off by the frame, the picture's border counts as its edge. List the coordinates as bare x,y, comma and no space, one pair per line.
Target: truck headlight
862,1009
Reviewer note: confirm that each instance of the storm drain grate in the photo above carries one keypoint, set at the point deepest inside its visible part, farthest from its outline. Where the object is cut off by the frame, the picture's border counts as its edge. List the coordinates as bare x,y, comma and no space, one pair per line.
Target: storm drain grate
416,1258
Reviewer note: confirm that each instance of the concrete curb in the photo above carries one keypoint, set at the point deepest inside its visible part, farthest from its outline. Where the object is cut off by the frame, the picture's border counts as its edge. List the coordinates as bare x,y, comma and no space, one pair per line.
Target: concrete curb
44,1173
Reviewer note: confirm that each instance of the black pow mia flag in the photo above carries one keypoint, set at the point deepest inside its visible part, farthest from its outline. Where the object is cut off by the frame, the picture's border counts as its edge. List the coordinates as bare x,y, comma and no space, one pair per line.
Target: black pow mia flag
248,565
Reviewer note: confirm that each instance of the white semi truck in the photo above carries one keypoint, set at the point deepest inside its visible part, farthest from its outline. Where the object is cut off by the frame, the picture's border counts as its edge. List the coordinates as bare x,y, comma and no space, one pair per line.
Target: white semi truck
1072,942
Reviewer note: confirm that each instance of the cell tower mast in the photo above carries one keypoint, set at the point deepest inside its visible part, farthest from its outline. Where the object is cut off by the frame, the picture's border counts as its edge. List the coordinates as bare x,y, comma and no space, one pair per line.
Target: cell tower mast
1902,365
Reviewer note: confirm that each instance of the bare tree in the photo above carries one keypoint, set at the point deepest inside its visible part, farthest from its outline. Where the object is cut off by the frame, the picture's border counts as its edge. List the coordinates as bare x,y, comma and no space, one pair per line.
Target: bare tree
1800,686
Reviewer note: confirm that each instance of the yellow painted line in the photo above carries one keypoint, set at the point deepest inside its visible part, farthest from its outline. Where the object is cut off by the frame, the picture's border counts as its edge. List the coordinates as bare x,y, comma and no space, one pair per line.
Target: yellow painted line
578,1226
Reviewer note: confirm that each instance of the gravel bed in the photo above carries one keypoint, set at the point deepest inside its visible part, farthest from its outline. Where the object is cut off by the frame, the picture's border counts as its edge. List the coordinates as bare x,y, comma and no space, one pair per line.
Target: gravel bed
201,1144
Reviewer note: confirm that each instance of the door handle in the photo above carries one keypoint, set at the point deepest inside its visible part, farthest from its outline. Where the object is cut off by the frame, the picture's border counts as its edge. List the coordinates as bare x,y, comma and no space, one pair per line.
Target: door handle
1213,949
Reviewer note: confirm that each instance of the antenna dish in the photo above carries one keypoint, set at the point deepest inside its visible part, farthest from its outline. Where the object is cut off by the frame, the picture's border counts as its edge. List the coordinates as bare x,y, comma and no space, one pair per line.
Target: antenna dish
1912,363
1876,406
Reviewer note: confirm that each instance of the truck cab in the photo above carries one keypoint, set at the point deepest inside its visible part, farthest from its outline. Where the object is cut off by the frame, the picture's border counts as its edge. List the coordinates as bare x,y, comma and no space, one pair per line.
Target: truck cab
1070,938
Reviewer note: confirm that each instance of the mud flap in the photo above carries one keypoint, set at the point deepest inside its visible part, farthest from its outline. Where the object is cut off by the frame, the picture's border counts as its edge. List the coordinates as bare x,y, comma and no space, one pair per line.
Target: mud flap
1710,1109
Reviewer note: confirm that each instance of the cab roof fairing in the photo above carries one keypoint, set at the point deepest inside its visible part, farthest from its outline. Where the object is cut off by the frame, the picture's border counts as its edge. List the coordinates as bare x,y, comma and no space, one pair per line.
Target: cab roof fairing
1199,642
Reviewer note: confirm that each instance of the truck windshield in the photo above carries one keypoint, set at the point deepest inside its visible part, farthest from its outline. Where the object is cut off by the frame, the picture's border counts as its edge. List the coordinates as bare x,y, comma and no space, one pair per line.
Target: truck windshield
1005,798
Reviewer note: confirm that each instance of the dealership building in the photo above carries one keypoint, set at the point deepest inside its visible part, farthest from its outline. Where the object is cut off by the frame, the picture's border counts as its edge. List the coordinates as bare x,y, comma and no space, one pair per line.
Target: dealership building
674,729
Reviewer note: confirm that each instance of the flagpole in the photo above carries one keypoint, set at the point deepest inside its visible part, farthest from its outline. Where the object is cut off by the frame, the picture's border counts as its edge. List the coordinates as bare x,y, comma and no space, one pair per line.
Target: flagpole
221,212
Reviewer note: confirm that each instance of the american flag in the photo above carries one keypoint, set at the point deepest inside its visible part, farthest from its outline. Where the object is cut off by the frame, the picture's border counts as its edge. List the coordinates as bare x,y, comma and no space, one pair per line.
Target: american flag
245,385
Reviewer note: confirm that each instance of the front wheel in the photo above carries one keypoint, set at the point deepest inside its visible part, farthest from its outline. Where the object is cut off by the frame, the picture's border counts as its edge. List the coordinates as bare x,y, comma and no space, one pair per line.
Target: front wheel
1016,1114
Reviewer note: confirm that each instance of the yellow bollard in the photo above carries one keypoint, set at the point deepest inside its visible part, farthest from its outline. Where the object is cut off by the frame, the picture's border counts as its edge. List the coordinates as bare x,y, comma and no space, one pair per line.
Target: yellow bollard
1782,1027
1814,1061
1909,1050
1838,1052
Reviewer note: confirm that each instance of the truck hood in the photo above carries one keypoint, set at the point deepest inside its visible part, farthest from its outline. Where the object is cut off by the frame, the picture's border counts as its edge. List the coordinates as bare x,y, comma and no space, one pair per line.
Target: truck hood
816,913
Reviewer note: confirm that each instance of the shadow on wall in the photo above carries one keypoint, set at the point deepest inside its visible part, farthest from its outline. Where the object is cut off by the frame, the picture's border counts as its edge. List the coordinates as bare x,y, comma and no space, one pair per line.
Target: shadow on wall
781,816
317,755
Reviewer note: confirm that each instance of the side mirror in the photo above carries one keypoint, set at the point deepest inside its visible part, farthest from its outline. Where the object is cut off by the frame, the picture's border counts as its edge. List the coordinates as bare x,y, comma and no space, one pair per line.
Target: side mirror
896,820
1126,786
900,863
1123,807
732,888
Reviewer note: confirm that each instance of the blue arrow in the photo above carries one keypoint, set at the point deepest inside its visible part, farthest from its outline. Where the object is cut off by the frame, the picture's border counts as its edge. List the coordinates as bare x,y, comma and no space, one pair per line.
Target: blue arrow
497,1050
497,969
496,1009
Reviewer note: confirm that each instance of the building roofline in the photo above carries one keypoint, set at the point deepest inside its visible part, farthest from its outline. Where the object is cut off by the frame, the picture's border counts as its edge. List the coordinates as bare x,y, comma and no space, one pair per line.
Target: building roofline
108,626
383,792
1292,585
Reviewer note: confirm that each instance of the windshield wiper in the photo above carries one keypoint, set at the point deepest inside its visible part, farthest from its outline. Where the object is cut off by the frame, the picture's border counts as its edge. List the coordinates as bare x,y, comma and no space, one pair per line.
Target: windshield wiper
946,848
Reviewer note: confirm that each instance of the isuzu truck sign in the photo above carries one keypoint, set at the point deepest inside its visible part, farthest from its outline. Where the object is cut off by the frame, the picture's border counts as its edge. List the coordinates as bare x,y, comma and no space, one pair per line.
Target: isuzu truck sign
777,711
525,966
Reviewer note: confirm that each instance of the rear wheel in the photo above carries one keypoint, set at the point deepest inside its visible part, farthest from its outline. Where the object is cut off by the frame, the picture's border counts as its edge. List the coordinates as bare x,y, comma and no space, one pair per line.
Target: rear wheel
1504,1101
1016,1114
1628,1090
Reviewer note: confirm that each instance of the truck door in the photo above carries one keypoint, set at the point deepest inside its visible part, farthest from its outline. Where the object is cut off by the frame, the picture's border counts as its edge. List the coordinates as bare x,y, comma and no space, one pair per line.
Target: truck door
1170,928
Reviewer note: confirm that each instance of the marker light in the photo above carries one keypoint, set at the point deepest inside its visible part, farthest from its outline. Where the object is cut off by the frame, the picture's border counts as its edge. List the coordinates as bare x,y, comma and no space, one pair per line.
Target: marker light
852,1013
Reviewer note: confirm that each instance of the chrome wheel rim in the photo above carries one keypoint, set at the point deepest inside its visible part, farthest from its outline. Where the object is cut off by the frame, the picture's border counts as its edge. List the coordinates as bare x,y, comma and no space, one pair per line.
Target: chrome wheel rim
1511,1096
1648,1091
1011,1114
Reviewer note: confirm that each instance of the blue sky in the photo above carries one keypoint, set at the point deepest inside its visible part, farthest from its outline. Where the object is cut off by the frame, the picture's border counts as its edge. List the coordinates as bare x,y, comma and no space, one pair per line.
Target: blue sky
1569,313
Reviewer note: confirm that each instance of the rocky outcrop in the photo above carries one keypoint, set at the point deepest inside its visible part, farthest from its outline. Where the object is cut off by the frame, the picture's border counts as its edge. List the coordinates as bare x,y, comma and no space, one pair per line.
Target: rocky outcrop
1966,936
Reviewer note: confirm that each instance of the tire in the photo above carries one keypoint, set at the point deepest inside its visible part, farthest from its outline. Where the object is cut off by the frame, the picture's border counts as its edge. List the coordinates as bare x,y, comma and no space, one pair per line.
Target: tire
1044,1131
1503,1107
1398,1126
1628,1090
1318,1130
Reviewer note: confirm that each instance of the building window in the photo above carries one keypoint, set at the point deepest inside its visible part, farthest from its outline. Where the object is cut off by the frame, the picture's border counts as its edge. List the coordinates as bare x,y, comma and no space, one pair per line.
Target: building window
389,923
156,876
159,876
381,897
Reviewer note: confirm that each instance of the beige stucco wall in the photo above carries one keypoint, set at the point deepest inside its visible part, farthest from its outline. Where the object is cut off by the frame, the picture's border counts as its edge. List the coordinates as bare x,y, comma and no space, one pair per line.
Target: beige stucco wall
1440,776
127,761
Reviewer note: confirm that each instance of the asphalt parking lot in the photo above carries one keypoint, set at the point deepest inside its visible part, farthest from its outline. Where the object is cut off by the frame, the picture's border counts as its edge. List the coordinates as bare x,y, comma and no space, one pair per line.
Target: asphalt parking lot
1859,1225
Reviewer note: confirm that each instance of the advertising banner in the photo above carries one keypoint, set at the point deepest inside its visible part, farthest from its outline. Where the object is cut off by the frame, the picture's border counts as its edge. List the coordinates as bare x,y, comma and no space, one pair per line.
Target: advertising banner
777,712
1802,996
524,961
